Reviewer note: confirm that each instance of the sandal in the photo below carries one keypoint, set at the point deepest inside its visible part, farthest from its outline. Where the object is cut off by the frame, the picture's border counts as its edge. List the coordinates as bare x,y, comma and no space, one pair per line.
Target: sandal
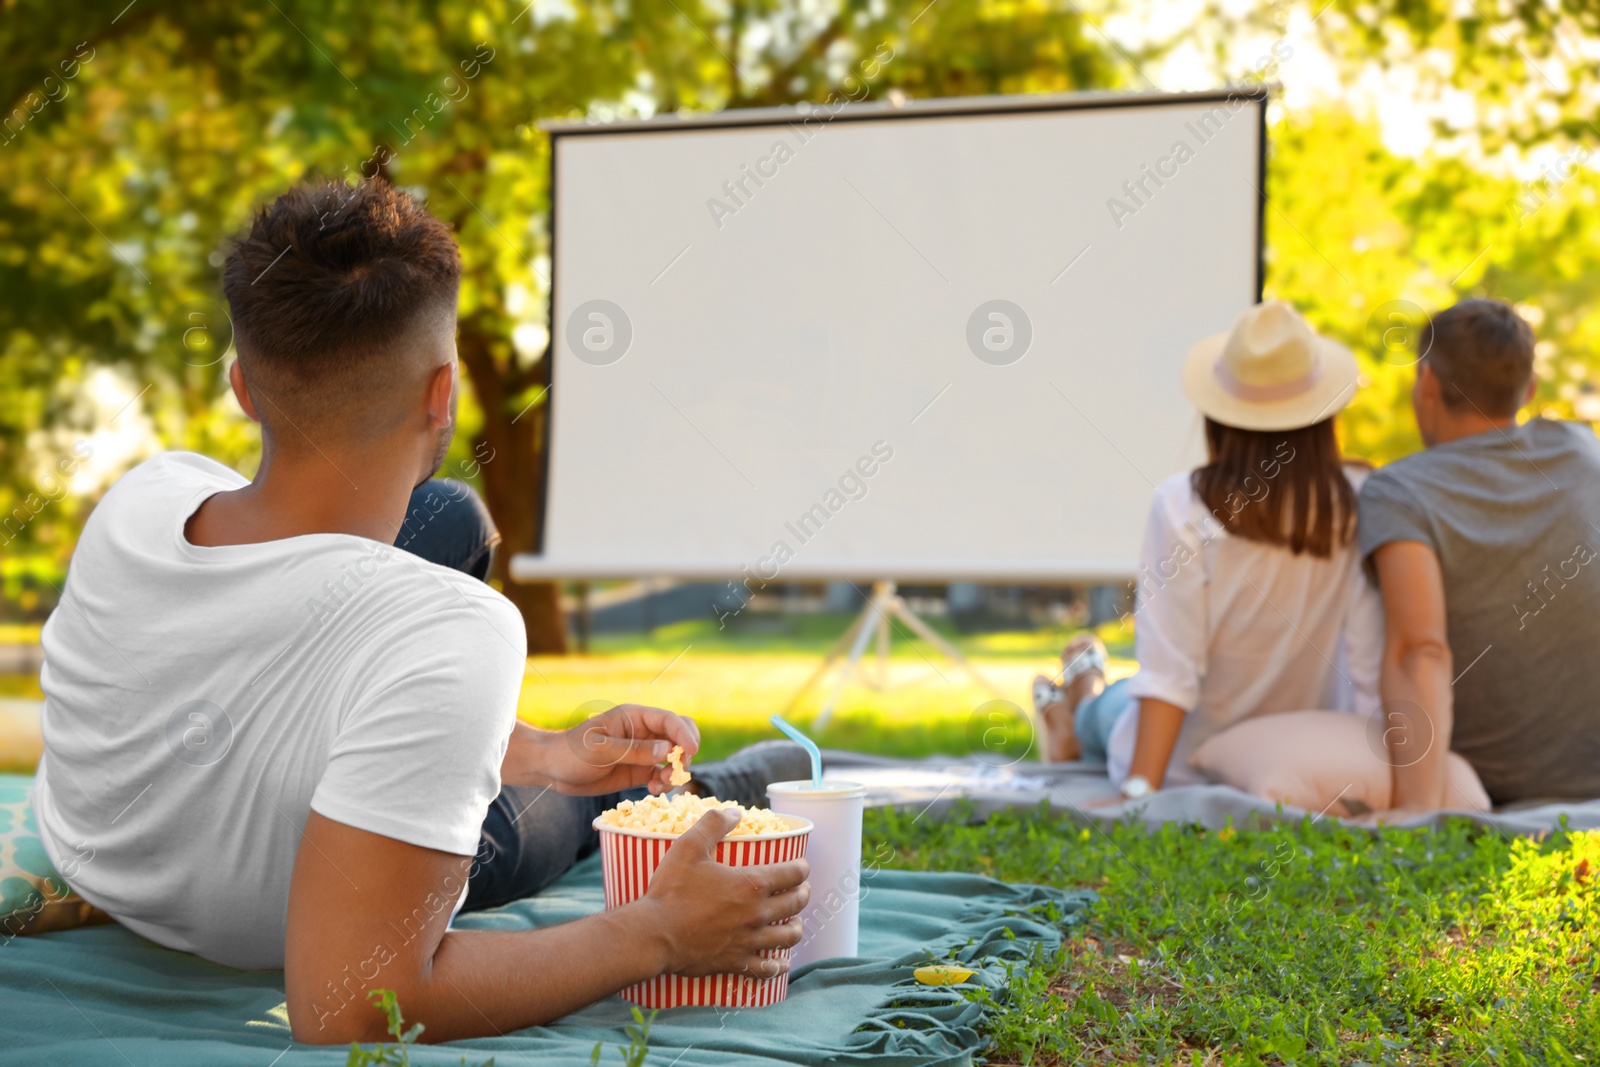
1046,692
1091,658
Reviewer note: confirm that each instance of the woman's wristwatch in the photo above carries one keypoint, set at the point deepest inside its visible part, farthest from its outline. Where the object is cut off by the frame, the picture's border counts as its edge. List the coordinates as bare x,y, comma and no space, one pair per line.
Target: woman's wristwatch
1136,786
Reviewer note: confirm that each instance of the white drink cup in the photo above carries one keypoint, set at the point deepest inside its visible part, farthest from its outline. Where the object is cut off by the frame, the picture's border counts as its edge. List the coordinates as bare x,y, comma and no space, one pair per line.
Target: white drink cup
832,919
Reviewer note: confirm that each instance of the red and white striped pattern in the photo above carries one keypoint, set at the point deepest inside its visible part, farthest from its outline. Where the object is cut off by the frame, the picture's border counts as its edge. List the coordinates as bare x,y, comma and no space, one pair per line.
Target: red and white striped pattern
628,860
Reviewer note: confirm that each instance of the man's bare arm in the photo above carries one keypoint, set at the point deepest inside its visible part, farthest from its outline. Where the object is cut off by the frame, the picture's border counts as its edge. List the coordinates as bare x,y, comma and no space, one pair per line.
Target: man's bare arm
369,912
1418,713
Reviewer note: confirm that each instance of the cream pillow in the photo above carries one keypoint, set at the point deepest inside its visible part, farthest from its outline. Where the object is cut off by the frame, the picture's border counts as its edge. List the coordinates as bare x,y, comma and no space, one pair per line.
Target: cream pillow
1312,758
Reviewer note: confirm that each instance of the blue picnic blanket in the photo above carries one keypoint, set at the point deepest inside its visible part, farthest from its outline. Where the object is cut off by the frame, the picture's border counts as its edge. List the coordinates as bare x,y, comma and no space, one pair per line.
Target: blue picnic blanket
104,996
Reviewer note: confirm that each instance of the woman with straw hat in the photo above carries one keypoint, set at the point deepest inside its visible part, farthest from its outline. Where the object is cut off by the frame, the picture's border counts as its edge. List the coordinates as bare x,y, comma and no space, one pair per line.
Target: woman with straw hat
1250,596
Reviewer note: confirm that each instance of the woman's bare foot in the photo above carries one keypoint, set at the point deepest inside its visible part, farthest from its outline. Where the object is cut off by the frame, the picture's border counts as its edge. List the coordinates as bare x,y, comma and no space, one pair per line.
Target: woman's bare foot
1057,706
1058,742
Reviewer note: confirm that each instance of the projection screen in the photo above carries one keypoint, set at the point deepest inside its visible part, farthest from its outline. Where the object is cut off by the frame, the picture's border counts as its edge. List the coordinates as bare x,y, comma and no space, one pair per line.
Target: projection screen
933,342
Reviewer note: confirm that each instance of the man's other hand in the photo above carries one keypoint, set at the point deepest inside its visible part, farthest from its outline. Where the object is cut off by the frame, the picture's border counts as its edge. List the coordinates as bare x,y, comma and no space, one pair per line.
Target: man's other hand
621,748
710,918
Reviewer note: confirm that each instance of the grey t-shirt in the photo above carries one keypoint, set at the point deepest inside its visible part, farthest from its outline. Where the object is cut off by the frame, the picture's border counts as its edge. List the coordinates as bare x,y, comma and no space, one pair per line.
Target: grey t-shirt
1514,518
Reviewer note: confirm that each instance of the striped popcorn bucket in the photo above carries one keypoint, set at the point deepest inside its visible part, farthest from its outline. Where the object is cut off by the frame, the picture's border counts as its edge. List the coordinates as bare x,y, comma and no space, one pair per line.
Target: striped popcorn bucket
628,860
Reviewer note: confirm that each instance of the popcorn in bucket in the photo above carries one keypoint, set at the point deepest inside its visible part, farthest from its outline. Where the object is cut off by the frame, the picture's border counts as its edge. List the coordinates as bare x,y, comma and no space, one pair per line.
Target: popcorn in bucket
633,838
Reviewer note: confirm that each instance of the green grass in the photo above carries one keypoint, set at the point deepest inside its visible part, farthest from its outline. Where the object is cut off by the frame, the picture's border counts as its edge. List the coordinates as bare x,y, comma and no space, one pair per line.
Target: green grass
731,680
1306,944
20,687
814,634
924,708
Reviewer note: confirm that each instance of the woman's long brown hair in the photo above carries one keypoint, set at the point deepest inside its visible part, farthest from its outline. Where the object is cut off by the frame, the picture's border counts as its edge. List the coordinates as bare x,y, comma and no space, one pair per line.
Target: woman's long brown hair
1283,487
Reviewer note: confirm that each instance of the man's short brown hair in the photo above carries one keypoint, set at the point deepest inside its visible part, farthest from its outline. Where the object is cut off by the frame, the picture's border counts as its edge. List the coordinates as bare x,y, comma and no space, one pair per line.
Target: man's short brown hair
1482,353
332,289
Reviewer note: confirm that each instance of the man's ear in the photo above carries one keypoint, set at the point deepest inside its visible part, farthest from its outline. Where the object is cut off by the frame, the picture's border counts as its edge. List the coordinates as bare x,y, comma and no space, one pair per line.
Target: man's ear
1430,390
441,394
240,392
1425,400
1532,391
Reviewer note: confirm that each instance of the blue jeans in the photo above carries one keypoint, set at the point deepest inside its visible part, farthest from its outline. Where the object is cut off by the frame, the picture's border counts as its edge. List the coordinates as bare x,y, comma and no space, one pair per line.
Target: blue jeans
449,524
1098,716
530,837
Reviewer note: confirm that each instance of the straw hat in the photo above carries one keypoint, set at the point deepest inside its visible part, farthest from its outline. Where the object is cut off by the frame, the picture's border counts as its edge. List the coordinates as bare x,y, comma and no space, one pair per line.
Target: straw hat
1270,372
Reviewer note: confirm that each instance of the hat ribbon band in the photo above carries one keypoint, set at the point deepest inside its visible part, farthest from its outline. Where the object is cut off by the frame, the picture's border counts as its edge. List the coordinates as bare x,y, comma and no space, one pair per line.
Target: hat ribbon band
1262,394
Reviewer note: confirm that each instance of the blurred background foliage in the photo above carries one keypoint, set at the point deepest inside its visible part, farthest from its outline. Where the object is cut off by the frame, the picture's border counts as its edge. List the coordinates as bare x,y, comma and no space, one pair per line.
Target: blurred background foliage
134,142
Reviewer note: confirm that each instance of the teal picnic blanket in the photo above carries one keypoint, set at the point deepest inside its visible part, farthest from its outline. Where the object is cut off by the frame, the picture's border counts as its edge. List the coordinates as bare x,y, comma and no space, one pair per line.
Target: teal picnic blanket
105,996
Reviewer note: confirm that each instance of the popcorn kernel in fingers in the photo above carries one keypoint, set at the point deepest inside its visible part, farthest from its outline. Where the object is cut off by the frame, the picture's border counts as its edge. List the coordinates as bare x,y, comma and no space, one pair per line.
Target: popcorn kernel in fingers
679,775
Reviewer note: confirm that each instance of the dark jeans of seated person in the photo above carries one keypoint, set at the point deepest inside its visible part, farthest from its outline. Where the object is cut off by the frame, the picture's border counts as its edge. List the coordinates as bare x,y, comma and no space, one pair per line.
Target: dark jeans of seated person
531,837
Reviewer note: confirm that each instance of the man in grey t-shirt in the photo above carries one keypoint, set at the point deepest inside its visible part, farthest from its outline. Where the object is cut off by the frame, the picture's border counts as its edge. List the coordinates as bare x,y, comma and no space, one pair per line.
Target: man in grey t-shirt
1485,547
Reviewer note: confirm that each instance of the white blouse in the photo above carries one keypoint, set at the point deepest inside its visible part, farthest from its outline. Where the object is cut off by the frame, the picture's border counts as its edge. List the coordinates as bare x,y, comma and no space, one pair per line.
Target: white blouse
1229,629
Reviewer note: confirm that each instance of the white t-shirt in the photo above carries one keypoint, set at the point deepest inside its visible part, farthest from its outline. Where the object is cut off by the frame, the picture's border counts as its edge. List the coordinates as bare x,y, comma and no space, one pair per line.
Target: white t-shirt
199,702
1229,628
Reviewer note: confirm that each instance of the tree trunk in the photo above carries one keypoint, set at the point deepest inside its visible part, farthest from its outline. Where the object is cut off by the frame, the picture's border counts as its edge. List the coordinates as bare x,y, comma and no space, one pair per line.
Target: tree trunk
509,452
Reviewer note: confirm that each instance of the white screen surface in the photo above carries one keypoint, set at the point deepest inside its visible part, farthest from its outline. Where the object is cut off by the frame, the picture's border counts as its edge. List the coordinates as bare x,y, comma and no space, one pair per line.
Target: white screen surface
732,358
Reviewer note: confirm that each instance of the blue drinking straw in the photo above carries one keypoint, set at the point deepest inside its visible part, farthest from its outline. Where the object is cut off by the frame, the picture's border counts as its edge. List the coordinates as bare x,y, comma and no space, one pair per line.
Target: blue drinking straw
806,743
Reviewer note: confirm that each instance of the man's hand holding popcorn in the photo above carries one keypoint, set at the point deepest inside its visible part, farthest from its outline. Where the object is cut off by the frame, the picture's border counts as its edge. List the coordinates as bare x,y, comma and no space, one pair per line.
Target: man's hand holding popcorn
626,746
704,917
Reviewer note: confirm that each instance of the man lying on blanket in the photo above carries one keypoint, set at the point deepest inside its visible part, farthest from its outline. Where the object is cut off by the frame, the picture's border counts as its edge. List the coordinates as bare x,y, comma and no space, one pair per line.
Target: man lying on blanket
291,744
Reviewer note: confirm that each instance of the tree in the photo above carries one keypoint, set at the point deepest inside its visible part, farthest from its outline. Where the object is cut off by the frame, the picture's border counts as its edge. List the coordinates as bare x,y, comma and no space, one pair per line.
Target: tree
136,140
1367,243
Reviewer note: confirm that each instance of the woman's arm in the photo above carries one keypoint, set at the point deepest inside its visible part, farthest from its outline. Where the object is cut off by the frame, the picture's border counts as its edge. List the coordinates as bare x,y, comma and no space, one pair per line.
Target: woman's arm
1159,725
1170,636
